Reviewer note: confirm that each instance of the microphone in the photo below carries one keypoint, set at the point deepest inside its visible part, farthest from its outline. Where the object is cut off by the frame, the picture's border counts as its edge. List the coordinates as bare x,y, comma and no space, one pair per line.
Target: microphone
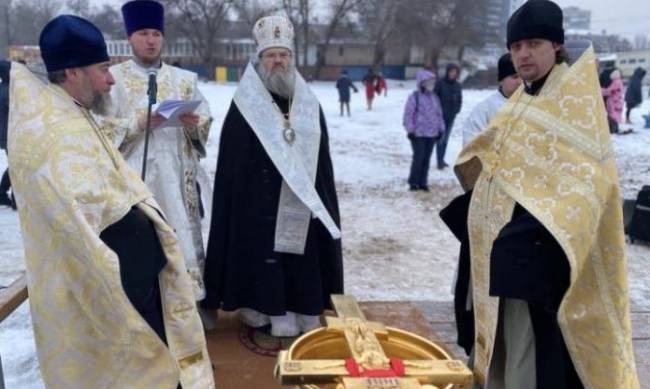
152,91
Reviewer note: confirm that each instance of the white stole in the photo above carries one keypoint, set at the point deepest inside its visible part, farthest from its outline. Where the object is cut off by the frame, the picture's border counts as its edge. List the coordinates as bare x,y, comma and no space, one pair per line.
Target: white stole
296,162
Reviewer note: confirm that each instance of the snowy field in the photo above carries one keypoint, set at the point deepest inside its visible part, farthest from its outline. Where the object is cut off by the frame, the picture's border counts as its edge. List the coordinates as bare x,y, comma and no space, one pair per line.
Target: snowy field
395,246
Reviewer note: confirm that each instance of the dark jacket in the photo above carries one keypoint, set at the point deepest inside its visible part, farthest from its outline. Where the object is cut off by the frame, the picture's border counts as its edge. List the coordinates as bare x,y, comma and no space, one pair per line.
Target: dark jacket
344,84
604,77
526,263
633,96
454,216
5,67
241,268
450,94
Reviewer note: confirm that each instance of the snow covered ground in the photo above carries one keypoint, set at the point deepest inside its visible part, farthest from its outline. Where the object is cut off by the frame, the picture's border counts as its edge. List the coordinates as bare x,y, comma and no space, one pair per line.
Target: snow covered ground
395,246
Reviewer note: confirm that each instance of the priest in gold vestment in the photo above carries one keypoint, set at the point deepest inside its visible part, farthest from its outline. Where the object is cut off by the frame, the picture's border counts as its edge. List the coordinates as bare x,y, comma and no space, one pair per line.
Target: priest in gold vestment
111,301
544,225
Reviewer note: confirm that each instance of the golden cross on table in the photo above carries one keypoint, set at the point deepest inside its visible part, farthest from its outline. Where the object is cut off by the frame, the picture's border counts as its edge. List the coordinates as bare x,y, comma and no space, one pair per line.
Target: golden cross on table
364,346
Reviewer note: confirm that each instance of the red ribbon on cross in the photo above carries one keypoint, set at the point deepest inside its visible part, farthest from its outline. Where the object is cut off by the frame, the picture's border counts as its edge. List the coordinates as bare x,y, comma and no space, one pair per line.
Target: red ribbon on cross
396,369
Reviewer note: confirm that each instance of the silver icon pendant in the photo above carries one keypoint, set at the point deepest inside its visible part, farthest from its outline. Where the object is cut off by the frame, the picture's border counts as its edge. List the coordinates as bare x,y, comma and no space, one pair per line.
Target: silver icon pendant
289,135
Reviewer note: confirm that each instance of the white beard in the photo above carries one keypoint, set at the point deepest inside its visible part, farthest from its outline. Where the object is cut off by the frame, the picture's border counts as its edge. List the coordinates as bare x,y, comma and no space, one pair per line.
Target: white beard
280,82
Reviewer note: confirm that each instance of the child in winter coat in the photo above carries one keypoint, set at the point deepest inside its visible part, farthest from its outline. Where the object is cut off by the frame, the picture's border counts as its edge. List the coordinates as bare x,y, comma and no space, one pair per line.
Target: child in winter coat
613,94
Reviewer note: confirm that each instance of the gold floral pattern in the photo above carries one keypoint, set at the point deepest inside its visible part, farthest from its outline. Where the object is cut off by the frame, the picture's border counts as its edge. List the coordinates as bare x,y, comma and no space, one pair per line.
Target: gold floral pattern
70,184
554,157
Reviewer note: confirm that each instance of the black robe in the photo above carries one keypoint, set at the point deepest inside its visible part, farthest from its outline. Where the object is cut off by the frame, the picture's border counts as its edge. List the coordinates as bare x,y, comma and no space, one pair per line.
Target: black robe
242,270
135,241
455,217
526,263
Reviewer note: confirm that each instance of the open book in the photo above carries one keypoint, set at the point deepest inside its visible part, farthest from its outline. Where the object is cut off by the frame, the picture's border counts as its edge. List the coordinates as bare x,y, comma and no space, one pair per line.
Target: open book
172,109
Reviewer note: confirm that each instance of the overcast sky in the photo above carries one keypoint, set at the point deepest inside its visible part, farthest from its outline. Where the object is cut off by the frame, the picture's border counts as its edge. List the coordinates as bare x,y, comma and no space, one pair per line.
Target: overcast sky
623,17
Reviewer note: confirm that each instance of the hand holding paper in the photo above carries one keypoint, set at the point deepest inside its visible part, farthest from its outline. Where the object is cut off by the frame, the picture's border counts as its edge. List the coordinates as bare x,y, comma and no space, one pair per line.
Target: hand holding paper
156,120
172,110
189,119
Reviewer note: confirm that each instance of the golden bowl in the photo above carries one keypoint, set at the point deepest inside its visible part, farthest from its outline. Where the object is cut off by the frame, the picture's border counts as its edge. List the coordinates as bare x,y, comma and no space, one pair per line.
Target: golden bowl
330,346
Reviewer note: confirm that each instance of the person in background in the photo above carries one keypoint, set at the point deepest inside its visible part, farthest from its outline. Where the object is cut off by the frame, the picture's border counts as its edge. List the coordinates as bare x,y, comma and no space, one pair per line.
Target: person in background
484,111
633,95
450,93
612,90
424,125
381,85
344,84
369,81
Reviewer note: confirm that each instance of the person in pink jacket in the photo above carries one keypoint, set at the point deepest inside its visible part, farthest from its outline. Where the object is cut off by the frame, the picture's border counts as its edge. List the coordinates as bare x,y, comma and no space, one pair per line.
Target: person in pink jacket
613,94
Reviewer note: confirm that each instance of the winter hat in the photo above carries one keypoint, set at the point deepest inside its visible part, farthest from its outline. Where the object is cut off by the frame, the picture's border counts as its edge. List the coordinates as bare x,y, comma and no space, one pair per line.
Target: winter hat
273,32
605,77
506,67
536,19
450,67
422,76
141,14
69,41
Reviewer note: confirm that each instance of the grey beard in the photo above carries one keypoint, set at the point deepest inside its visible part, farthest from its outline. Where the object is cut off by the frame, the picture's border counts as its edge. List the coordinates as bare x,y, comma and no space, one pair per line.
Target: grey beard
100,104
280,82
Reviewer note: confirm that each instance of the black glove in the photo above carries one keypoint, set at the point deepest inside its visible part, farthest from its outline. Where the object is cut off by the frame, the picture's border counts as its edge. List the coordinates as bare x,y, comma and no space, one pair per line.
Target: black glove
410,135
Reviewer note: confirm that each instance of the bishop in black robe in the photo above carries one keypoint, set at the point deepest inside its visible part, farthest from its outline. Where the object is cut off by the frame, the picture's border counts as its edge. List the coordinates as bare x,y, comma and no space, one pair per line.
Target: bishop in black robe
242,269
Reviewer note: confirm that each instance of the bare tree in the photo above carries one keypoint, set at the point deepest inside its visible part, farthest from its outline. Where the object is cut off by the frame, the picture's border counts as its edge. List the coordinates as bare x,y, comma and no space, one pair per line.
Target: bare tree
421,23
79,7
440,24
378,22
249,11
109,20
304,10
299,11
28,17
339,9
5,16
201,22
463,27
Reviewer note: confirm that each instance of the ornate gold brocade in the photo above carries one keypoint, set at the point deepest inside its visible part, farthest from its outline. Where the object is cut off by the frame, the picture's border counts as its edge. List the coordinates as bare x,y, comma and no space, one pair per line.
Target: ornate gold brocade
551,153
70,184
